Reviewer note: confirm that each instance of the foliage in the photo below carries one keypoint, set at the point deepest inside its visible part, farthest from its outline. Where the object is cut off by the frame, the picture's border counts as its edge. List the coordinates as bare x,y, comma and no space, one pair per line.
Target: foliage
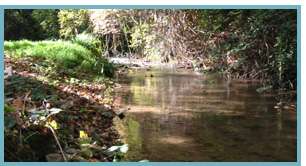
90,42
45,23
143,41
107,68
139,35
48,21
17,18
243,38
36,24
73,22
241,44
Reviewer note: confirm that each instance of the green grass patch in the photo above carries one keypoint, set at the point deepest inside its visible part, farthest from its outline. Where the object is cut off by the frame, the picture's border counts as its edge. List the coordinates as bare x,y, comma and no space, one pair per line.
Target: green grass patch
66,55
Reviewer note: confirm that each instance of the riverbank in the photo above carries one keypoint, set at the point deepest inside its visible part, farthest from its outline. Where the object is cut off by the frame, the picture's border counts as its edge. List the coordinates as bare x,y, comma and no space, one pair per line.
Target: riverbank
71,116
286,97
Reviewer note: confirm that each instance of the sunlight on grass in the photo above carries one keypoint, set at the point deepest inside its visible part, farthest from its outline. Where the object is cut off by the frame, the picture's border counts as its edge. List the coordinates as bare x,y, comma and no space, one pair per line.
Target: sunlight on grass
65,55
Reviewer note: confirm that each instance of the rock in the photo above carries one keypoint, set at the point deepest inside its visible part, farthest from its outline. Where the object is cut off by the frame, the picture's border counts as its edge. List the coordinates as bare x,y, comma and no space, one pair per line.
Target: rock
120,112
67,105
121,116
79,158
86,153
102,107
264,89
123,148
105,135
107,114
54,157
107,107
72,151
136,65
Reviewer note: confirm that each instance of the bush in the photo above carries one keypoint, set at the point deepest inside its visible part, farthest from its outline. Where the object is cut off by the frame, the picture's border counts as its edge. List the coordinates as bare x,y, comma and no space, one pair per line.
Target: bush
106,67
90,42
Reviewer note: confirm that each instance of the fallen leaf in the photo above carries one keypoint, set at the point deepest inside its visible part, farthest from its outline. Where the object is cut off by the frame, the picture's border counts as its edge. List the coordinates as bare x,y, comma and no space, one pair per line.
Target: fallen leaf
83,134
17,104
53,124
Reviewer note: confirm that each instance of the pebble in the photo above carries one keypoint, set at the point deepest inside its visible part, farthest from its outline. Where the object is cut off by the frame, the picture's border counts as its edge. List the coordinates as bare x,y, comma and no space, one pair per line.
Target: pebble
72,151
54,157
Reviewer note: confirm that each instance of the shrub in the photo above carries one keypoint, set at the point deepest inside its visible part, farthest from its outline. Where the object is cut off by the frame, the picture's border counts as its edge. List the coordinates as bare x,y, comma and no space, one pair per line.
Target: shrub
90,42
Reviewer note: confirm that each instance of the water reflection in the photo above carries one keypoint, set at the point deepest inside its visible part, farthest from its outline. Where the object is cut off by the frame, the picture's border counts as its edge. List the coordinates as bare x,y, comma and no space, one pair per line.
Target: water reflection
186,117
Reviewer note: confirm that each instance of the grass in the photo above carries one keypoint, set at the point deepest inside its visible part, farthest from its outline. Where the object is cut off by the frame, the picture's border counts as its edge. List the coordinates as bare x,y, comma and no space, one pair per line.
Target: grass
66,55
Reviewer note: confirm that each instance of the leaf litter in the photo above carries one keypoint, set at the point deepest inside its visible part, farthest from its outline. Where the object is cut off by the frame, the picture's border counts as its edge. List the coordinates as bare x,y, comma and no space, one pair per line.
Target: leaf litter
79,110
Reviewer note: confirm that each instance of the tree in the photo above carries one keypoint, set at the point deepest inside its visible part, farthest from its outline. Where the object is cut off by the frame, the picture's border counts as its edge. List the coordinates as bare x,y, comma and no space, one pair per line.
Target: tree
73,22
19,24
31,24
48,21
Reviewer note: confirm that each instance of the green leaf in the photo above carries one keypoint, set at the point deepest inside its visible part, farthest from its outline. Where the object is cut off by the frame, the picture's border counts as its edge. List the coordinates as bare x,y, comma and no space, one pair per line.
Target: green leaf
8,109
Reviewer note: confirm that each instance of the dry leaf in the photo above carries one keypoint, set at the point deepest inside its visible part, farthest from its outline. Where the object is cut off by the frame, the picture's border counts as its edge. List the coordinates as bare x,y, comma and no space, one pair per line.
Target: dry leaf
17,104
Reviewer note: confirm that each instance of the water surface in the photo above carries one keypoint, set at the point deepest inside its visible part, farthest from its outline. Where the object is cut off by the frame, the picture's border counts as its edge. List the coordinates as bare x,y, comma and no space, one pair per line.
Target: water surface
176,116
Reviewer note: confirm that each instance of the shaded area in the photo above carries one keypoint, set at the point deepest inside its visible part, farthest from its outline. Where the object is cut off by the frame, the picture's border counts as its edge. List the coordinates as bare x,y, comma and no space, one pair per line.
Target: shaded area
84,115
186,117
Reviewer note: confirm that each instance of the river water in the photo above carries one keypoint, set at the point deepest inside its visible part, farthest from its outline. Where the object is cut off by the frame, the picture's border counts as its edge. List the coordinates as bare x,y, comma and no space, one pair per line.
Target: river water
177,116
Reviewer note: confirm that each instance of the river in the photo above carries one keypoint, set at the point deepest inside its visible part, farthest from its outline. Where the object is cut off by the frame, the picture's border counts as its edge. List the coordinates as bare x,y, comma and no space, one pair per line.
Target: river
182,116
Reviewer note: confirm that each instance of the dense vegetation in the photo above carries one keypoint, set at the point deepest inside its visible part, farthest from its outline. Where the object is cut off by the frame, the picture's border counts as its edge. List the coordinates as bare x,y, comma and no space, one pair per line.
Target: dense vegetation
58,61
245,44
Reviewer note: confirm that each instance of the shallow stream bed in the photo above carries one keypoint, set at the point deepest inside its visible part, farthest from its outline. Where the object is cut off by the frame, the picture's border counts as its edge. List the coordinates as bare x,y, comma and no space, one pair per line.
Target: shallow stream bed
177,116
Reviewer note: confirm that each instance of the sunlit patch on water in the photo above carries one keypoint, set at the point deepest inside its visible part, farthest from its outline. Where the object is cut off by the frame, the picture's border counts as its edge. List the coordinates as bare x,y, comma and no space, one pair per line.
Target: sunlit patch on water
176,140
